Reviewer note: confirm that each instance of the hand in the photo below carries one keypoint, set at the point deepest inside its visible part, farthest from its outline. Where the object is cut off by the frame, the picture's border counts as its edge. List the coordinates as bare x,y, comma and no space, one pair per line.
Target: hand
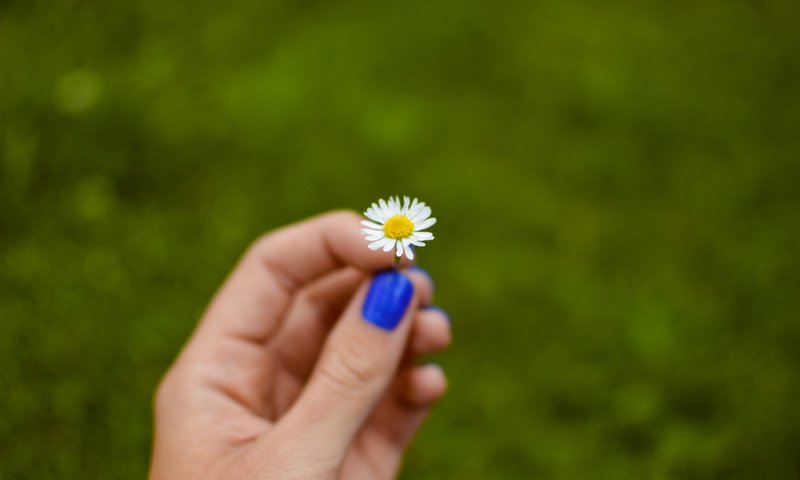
290,374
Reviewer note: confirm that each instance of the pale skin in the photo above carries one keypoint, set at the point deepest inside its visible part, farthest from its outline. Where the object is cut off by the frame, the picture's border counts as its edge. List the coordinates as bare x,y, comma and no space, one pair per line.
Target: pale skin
283,379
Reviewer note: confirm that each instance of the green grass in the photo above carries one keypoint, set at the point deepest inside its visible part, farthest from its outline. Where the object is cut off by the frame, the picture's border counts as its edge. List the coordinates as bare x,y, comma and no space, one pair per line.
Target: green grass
616,188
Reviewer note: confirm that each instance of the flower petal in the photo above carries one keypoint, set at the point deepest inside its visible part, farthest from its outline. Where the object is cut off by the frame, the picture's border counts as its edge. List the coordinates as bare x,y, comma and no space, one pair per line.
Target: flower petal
380,244
424,224
424,236
384,208
389,245
375,213
399,247
423,213
409,250
369,224
415,240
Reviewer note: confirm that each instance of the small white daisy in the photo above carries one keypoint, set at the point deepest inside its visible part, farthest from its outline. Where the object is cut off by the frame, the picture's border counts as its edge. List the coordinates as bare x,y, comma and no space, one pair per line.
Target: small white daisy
398,226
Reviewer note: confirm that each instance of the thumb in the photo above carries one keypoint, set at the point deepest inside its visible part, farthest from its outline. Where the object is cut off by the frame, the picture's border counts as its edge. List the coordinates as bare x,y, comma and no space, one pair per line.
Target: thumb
357,364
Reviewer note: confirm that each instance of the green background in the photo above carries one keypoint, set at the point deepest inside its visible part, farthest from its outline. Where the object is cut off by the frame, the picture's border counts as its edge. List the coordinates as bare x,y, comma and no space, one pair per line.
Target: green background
616,185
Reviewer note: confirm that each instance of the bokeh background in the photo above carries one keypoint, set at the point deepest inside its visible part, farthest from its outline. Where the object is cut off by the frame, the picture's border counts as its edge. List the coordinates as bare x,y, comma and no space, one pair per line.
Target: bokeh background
616,185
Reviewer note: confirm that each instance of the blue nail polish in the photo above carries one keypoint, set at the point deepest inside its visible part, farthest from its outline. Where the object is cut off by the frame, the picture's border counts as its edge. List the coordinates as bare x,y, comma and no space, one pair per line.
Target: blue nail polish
387,299
440,310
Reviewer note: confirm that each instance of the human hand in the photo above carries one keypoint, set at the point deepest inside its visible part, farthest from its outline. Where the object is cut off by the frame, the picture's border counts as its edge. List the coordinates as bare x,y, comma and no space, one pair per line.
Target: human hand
290,374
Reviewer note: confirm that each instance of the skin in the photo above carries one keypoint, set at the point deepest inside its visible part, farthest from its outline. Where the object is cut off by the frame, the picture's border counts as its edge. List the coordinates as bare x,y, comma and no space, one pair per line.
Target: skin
282,378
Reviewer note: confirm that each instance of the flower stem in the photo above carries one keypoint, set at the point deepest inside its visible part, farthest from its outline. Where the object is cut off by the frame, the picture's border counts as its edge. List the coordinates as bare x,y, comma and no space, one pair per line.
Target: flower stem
396,263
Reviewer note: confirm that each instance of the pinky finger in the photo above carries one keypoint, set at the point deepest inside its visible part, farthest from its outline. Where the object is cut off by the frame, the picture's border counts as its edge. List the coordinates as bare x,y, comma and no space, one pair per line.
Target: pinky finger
421,386
400,414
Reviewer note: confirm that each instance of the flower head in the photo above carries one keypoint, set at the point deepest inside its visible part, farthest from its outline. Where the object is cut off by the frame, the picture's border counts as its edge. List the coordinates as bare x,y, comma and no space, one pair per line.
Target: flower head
398,226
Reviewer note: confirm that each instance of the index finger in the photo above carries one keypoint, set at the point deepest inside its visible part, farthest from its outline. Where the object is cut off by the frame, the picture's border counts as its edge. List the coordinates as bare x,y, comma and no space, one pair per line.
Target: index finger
258,292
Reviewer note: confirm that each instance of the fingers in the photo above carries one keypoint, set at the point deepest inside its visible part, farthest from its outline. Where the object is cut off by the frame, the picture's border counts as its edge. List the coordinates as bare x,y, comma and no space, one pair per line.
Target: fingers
359,361
418,387
316,308
382,442
400,414
297,346
430,333
259,290
310,318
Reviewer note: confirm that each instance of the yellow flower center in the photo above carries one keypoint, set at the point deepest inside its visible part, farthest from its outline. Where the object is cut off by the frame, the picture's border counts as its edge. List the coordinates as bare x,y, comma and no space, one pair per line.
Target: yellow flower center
398,227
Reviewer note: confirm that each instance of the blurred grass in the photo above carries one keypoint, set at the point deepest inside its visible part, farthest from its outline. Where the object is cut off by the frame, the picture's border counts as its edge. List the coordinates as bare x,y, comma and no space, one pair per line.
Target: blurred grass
616,186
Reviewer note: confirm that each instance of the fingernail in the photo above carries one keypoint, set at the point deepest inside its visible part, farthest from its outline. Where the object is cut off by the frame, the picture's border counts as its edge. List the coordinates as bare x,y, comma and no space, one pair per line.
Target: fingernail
433,366
387,299
440,310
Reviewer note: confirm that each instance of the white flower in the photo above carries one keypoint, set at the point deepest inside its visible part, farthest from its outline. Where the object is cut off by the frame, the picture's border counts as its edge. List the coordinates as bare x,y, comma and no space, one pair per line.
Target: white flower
398,226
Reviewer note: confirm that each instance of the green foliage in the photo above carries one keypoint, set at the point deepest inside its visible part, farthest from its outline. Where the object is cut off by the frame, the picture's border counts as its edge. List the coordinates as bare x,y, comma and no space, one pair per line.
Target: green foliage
616,188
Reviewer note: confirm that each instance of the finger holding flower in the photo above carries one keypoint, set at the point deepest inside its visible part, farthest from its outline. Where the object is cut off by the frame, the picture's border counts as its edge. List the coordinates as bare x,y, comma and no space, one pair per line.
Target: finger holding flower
302,366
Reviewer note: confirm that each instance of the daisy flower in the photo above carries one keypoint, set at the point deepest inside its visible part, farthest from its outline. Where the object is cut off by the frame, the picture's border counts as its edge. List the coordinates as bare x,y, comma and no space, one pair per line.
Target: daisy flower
398,226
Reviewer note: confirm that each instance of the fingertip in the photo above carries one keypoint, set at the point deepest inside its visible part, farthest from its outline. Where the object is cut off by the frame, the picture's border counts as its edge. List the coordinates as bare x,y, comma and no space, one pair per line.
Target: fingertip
416,268
423,284
424,385
431,332
443,332
352,244
440,311
341,216
435,378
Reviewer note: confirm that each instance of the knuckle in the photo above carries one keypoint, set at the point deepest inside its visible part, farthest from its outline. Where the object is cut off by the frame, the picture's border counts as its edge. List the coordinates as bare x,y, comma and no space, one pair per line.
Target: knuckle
350,367
343,214
258,245
167,390
162,394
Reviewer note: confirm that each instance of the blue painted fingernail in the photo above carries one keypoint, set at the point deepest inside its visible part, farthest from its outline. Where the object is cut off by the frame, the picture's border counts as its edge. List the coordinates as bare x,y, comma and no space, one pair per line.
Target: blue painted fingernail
440,310
387,299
